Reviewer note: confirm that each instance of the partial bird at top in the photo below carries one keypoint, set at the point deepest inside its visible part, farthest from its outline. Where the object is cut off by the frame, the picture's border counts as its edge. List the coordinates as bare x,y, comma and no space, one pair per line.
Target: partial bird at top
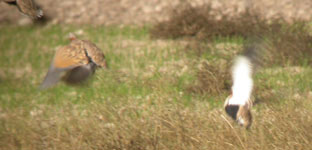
74,63
27,7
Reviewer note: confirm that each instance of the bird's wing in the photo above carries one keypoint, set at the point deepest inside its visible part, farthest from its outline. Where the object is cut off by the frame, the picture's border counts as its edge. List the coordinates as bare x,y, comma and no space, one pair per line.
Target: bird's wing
95,53
70,56
242,81
66,58
51,78
79,74
244,67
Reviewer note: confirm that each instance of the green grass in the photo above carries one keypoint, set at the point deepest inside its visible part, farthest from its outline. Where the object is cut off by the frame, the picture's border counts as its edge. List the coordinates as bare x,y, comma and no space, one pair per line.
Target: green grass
27,53
141,101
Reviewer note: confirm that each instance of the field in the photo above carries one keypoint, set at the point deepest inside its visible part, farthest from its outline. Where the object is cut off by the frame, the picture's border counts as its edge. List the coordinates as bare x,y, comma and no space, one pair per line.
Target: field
154,95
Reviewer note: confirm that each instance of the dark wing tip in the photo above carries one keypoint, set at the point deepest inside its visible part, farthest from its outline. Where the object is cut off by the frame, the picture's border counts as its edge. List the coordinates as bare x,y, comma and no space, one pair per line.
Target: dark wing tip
11,3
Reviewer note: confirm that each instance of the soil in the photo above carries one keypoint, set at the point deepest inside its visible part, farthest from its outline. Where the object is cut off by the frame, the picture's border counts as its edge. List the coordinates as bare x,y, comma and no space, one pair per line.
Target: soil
140,12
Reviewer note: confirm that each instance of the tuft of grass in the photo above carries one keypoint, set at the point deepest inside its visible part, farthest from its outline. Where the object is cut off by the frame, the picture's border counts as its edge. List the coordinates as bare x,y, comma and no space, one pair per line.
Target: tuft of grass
212,78
157,125
289,43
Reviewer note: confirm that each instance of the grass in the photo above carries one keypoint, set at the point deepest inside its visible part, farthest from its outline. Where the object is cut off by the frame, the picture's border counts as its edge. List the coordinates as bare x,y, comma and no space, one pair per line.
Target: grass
290,42
143,101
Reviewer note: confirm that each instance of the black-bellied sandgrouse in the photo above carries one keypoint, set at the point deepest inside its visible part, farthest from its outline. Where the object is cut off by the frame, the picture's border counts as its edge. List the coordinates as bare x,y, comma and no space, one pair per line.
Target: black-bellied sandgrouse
74,63
27,7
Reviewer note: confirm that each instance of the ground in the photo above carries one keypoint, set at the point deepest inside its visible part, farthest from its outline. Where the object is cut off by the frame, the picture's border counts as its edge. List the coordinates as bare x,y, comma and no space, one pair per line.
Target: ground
143,100
140,12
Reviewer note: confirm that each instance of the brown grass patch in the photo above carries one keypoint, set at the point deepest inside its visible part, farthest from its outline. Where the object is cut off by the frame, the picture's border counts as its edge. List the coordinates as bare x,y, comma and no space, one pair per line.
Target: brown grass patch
293,45
290,43
201,22
154,126
212,78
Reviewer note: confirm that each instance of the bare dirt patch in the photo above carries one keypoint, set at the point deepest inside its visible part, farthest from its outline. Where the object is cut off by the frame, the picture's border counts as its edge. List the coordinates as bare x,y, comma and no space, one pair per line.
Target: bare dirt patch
146,11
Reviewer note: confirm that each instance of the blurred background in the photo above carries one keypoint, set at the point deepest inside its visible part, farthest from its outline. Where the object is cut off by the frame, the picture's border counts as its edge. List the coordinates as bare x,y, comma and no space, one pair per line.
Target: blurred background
149,11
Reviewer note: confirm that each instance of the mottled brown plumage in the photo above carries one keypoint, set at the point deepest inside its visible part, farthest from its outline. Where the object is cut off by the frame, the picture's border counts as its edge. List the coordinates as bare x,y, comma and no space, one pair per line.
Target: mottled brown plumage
95,53
27,7
92,50
74,63
244,117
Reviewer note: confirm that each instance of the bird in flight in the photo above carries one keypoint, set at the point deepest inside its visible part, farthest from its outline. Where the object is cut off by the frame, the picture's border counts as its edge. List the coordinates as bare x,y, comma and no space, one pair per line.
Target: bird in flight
74,63
27,7
239,103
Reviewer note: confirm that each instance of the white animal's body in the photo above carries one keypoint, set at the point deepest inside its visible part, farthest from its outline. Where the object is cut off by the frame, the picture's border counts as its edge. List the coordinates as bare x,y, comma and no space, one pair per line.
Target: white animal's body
239,103
242,81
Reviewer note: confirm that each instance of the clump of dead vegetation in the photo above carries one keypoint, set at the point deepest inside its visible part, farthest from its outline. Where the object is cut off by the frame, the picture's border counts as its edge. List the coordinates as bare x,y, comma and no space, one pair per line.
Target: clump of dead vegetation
212,78
291,46
290,43
203,23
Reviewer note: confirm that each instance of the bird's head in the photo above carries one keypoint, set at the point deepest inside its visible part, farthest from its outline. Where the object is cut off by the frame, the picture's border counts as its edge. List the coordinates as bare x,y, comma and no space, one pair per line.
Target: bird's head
238,112
72,37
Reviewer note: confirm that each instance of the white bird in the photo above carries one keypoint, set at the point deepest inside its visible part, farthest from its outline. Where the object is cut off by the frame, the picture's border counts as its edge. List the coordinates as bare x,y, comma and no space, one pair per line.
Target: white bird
239,103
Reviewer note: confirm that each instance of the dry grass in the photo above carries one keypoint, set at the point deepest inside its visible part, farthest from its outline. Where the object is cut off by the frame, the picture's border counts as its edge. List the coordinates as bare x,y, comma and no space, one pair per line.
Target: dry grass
155,125
290,43
212,78
201,22
292,46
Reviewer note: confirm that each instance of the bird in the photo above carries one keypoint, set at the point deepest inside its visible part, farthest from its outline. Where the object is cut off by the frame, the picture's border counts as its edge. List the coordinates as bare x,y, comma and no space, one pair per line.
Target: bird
27,7
239,103
74,63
